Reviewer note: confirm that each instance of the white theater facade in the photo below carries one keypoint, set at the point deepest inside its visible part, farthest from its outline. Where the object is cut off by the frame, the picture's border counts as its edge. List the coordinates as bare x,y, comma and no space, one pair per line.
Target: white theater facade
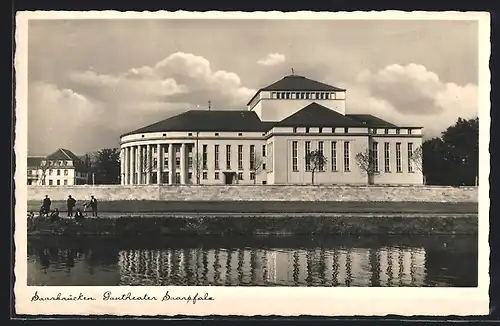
267,144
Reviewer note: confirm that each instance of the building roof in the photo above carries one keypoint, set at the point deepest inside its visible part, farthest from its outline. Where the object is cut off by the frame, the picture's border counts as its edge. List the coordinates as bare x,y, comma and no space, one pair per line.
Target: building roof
205,120
316,115
63,154
371,121
298,83
35,161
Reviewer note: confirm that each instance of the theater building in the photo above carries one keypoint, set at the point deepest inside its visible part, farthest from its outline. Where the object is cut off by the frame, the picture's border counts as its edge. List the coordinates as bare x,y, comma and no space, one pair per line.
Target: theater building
268,143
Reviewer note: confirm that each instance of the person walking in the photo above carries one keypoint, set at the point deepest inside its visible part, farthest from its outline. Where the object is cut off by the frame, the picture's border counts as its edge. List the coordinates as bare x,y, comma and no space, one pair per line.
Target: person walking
46,206
71,204
93,205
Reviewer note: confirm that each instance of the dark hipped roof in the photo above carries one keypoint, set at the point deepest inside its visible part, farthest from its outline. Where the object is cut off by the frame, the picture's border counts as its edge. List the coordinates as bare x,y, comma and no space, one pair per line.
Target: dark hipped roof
63,154
316,115
204,120
371,121
34,161
298,83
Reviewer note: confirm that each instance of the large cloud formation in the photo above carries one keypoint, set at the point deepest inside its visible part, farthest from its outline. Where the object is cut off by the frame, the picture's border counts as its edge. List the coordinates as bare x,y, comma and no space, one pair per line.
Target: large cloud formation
412,95
94,109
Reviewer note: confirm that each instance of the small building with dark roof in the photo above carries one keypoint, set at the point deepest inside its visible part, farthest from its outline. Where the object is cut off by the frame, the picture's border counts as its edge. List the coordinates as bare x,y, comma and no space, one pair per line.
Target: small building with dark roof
61,168
271,143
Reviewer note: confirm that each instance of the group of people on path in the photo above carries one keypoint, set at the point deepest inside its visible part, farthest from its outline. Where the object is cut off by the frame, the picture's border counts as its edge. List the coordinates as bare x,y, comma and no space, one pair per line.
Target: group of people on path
70,204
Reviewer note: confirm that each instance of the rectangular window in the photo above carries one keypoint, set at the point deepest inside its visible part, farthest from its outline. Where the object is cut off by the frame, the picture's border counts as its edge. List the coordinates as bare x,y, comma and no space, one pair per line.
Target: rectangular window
240,175
307,130
65,172
320,130
216,175
58,182
263,166
240,157
177,162
190,162
409,131
321,153
397,131
294,130
295,156
410,157
252,157
216,156
190,175
228,157
273,95
387,157
386,131
375,155
398,158
307,151
347,160
58,172
177,149
177,177
165,161
334,156
205,175
50,172
65,182
252,175
204,158
263,150
50,182
346,130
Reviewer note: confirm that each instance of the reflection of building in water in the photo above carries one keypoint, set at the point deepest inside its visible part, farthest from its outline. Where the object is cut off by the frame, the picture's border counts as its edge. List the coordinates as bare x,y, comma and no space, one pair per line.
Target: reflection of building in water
316,267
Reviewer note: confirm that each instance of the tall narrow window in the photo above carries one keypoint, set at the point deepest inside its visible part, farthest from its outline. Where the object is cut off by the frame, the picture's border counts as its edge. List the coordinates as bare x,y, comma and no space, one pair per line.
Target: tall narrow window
307,151
347,159
387,157
410,157
398,158
375,155
204,157
216,157
240,157
321,153
252,157
334,156
228,157
295,157
263,150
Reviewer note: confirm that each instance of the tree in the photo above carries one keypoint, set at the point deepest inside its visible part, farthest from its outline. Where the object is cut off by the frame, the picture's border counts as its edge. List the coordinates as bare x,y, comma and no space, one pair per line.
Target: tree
147,163
105,164
42,172
316,161
366,164
197,166
417,157
256,165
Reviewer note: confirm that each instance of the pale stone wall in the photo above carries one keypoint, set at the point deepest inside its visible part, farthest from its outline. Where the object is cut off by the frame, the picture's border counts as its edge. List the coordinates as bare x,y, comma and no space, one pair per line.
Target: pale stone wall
258,193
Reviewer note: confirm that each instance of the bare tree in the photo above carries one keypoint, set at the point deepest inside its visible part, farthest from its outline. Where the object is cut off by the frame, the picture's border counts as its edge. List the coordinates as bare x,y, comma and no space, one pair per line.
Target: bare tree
146,165
317,162
197,166
417,157
256,165
42,172
365,161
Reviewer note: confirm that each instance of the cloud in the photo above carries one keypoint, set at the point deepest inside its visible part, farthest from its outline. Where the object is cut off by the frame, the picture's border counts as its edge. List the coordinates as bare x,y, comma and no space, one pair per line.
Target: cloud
412,95
272,59
93,109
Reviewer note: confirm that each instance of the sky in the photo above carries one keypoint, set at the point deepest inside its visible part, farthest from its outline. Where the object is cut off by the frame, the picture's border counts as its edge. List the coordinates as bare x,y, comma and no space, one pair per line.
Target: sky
89,81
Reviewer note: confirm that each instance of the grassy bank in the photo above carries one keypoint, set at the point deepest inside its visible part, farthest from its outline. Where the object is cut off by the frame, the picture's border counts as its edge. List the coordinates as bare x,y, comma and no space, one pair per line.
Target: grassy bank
255,225
152,206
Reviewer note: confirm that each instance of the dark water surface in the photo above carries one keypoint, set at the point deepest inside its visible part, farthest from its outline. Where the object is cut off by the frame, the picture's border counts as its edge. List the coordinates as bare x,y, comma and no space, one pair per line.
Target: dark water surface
372,261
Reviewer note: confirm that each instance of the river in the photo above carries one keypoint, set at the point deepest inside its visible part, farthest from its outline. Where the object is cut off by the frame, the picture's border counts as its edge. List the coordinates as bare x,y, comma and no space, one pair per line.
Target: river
366,261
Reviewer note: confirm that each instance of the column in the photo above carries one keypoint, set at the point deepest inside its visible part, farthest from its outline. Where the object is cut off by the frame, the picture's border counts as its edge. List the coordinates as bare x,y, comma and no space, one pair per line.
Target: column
132,165
183,164
122,166
127,165
141,164
159,163
171,164
149,164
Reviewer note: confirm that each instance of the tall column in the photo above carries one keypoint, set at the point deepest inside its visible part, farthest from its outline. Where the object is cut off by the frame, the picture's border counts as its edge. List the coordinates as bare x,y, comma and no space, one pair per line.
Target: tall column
183,164
132,164
127,165
150,165
141,164
171,164
159,163
122,166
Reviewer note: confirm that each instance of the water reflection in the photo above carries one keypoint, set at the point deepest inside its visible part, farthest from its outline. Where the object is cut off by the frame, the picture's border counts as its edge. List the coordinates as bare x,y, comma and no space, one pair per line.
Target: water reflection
257,266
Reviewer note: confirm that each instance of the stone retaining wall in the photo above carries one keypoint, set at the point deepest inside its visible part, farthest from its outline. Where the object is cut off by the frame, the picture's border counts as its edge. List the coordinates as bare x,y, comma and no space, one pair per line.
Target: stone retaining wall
259,193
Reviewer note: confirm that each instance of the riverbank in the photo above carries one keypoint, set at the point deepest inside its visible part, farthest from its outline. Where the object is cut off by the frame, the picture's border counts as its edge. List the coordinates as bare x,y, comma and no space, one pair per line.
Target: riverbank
254,224
155,206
